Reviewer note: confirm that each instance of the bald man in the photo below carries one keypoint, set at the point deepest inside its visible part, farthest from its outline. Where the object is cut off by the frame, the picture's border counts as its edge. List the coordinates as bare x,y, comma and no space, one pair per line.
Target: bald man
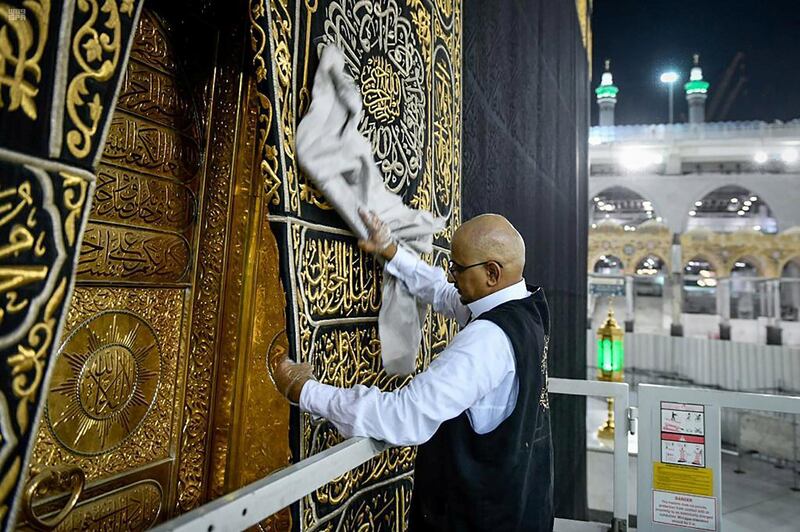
480,411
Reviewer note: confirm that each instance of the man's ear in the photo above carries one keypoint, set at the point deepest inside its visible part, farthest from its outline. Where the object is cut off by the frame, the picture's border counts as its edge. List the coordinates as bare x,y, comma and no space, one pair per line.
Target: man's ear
492,274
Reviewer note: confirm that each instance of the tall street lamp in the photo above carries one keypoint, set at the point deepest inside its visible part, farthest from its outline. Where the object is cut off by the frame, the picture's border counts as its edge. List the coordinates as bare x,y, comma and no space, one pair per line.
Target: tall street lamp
670,78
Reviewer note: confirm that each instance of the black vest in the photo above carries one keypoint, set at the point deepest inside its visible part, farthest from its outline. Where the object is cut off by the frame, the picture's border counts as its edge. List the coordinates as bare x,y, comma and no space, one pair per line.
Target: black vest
503,480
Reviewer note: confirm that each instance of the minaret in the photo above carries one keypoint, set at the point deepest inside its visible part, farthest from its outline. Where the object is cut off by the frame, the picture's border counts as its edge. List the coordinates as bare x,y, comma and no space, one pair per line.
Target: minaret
696,93
607,97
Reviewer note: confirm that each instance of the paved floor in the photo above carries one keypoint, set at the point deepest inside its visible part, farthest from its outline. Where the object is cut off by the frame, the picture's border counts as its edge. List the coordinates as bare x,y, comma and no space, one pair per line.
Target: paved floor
759,500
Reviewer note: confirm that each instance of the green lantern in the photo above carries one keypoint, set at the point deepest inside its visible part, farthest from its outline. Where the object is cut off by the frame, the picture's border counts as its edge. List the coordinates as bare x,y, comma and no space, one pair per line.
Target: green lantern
610,364
610,349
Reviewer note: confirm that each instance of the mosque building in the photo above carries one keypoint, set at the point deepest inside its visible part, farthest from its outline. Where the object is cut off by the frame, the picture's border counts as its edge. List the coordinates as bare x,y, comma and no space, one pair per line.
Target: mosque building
698,221
694,243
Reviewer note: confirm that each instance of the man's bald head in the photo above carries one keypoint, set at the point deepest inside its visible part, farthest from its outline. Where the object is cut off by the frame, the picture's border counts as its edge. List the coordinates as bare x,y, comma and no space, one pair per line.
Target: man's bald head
492,237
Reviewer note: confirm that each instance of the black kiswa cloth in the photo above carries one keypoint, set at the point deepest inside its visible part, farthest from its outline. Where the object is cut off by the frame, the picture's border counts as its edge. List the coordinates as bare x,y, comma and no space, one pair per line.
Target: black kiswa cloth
503,480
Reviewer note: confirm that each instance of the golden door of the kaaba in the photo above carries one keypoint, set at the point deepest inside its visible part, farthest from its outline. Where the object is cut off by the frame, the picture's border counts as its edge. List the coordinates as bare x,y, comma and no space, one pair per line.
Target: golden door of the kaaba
150,368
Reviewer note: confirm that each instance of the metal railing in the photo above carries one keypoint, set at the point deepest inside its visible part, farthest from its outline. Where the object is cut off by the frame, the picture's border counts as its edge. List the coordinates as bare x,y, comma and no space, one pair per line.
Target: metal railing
626,423
255,502
652,401
726,365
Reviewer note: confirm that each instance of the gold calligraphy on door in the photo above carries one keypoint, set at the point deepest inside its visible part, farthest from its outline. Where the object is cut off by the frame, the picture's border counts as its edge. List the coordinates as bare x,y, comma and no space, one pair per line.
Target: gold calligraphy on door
114,406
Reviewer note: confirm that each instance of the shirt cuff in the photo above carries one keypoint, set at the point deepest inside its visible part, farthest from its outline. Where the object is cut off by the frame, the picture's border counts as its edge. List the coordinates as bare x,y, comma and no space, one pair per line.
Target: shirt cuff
403,264
315,397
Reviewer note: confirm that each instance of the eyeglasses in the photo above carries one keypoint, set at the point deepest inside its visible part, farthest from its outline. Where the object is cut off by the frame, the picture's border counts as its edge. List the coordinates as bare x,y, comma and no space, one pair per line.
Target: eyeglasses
453,267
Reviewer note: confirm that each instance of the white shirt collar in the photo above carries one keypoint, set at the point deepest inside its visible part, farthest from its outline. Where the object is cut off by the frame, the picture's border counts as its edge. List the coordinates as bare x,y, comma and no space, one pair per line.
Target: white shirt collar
515,291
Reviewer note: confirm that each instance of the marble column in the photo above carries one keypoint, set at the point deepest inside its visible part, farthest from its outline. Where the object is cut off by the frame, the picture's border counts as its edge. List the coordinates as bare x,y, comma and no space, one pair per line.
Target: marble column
763,294
791,292
724,307
774,332
629,304
676,327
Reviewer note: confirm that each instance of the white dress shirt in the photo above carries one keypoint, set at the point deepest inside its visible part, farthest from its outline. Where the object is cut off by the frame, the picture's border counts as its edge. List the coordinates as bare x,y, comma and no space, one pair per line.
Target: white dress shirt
476,372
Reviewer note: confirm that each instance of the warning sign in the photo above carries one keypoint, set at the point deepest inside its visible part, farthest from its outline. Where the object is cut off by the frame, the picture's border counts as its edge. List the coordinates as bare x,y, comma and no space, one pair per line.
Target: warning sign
686,511
683,484
682,418
683,429
683,450
679,479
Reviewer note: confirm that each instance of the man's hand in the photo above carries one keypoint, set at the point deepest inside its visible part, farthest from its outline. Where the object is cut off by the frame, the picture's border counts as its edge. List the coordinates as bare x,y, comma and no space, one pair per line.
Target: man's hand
380,239
289,377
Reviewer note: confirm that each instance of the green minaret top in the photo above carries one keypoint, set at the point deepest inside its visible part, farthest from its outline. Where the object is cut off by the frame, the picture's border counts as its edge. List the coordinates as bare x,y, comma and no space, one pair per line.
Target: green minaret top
607,89
696,84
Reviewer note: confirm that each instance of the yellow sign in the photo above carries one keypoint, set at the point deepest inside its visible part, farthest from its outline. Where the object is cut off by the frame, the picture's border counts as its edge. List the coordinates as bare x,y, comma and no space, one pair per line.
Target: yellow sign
682,479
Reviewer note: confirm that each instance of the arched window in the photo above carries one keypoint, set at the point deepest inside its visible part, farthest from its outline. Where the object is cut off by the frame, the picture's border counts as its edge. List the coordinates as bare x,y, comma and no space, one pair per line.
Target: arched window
650,265
791,270
699,287
649,276
608,265
790,290
745,267
623,206
731,208
746,290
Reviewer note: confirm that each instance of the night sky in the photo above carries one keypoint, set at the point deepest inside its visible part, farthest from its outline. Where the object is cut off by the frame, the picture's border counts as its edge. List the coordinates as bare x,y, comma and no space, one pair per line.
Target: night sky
646,37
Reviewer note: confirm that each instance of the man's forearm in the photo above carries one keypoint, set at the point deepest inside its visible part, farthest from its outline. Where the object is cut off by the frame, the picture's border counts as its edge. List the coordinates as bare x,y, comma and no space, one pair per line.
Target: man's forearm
428,284
369,412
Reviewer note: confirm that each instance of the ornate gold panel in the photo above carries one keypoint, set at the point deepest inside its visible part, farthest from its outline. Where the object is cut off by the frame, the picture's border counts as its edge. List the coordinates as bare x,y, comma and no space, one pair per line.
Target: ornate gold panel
247,450
146,146
111,252
129,197
152,46
131,400
179,298
60,63
136,507
244,215
108,371
149,92
205,327
84,424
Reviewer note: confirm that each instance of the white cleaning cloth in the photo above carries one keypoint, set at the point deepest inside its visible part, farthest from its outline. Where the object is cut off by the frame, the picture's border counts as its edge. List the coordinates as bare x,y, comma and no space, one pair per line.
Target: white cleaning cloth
339,161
